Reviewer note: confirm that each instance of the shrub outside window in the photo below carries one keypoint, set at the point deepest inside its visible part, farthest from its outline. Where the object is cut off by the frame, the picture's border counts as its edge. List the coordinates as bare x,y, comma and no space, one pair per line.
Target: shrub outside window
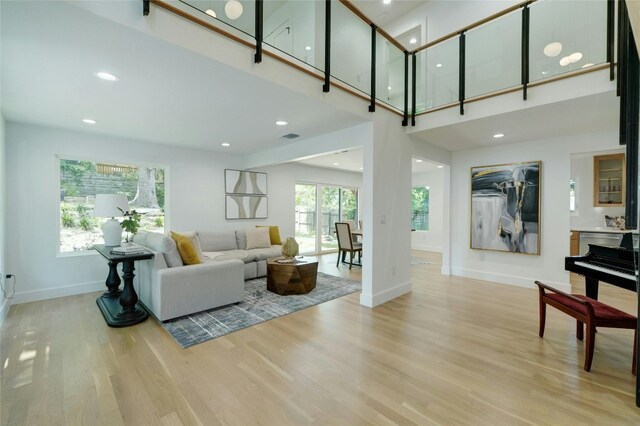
81,180
420,208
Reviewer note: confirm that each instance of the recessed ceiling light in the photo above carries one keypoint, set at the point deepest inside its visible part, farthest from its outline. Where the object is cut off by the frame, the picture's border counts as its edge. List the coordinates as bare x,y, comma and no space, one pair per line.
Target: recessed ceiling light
386,1
389,88
418,161
552,49
545,72
211,12
281,123
438,65
587,65
336,164
413,41
440,167
225,144
361,168
307,48
88,121
106,76
498,135
575,57
565,61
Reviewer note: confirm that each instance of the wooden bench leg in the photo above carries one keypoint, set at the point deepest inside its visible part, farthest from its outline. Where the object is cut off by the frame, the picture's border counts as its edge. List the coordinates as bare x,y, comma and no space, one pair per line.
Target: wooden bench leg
634,364
590,344
579,330
543,316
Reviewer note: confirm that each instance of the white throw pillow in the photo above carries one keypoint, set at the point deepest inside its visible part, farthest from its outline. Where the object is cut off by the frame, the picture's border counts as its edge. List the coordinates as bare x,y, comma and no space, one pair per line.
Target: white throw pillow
258,238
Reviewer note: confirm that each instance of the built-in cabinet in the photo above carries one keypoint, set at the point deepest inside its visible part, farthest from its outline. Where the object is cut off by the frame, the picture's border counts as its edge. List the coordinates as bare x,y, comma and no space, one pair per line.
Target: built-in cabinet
608,180
574,248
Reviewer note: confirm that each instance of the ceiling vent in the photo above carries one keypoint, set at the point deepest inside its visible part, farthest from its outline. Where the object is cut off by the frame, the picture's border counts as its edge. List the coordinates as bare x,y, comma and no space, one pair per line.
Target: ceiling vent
291,136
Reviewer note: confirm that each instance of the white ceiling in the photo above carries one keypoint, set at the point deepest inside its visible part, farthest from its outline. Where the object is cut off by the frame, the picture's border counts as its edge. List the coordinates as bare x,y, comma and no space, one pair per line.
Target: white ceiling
351,161
579,115
381,14
51,50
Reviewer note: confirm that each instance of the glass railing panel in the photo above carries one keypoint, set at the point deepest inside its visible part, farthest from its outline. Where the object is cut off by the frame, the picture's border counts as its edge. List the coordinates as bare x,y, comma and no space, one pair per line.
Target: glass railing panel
389,73
566,36
350,48
493,55
239,14
437,75
296,28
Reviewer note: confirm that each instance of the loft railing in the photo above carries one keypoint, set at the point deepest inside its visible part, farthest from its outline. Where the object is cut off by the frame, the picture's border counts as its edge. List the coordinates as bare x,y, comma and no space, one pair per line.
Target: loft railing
529,44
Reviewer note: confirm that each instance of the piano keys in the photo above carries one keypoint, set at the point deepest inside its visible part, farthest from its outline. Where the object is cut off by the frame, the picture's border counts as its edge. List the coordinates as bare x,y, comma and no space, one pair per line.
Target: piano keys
613,265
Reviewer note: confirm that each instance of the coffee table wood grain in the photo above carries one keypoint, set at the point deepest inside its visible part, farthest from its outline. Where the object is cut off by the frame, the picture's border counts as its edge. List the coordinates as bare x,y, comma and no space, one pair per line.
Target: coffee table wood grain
291,278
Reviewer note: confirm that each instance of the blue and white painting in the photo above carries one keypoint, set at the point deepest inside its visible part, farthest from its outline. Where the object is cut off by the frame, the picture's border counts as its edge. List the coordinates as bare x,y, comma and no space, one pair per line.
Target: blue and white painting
505,207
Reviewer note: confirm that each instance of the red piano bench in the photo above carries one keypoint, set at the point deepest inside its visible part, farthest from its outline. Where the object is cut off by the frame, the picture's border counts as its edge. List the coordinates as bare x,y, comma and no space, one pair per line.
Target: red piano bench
586,311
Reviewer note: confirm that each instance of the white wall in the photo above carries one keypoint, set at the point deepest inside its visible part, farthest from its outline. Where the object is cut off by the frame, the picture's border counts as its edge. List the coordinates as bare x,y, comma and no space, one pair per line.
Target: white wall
444,17
519,269
4,303
431,240
586,215
194,199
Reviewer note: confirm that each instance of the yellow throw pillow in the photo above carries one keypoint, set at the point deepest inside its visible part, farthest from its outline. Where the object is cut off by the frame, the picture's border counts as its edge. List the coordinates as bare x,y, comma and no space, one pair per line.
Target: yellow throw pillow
186,249
274,234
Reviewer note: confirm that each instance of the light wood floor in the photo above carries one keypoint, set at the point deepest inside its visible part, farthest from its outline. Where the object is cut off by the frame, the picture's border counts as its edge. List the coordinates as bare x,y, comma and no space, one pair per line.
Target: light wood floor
454,351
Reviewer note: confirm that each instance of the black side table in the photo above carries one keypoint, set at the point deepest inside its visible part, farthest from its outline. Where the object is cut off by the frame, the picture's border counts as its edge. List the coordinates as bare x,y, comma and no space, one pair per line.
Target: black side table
121,308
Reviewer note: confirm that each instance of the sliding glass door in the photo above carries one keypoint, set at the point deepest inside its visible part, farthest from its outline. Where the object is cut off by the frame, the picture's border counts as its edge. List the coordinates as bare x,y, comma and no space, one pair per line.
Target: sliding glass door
306,217
316,233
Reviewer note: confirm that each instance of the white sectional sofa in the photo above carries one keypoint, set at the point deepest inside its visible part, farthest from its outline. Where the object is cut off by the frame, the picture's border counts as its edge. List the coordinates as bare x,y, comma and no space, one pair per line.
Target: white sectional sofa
170,289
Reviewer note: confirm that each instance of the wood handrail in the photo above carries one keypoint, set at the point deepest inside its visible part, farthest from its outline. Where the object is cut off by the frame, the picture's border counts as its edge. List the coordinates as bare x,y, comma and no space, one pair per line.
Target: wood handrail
474,25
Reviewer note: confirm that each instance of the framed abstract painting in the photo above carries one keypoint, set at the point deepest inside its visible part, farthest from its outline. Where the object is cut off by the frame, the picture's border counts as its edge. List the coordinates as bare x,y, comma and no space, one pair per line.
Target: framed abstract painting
505,207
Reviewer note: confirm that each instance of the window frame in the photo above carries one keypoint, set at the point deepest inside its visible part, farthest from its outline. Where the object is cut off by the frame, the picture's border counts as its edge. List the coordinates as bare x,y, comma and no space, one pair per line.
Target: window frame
59,157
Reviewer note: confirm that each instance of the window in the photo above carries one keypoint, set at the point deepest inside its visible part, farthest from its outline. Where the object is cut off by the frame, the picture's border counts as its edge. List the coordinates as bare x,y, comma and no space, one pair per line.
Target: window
572,195
316,232
80,181
420,208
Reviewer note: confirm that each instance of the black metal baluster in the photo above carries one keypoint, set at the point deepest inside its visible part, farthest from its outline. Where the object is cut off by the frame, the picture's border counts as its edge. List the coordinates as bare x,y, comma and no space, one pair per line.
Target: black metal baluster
372,105
259,30
327,47
413,89
461,72
524,63
145,7
405,119
610,37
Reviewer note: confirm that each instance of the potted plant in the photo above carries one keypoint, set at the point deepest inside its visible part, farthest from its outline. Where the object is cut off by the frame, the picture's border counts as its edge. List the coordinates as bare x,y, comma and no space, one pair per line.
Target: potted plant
130,224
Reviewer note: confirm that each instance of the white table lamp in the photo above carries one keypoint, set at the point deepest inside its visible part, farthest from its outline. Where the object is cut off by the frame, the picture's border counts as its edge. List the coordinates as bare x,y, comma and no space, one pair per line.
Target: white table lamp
107,206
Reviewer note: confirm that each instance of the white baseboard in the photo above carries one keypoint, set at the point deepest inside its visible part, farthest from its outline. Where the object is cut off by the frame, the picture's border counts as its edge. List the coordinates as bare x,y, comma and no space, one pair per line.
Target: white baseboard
423,247
445,270
384,296
4,309
507,279
51,293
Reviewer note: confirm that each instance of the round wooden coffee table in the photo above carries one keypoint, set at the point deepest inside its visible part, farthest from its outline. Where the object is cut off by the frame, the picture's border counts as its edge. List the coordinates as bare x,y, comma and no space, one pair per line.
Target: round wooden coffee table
291,278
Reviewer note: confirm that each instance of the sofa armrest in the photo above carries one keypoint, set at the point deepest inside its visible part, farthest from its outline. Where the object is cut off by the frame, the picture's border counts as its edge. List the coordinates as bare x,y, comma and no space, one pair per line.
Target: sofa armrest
183,290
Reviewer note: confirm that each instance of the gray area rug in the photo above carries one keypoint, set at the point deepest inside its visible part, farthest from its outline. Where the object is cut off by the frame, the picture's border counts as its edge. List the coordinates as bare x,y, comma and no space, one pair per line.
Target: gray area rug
419,261
259,305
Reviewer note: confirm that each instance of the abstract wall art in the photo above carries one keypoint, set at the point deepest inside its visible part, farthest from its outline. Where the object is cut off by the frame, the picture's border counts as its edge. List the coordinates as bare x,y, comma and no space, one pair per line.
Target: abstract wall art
246,194
246,207
505,207
244,182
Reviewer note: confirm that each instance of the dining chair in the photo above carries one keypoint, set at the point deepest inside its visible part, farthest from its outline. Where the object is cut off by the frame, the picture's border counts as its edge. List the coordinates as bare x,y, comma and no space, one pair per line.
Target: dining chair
346,244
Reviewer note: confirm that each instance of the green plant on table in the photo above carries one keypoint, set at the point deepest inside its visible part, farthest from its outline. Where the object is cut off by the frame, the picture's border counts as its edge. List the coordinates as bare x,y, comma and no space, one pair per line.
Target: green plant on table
131,223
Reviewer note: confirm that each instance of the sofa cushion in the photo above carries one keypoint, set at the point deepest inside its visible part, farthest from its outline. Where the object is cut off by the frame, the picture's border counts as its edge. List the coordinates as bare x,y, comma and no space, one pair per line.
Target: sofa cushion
245,255
187,251
241,239
258,238
274,234
161,243
217,241
267,253
193,237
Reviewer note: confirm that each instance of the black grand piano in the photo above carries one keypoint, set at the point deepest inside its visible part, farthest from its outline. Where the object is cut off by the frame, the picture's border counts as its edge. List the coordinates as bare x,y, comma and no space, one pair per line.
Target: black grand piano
613,265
